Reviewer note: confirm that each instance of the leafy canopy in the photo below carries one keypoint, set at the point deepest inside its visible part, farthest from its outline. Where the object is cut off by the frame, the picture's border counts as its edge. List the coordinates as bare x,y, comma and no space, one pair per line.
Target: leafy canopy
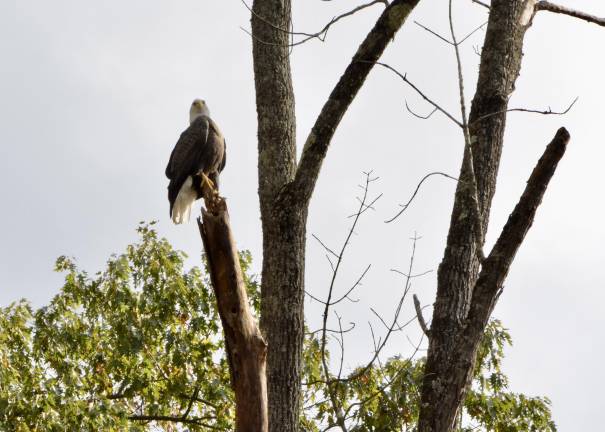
139,347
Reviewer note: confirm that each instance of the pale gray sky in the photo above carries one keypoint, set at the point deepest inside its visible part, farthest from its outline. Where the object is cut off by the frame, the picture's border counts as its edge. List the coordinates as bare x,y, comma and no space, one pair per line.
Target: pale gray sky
95,94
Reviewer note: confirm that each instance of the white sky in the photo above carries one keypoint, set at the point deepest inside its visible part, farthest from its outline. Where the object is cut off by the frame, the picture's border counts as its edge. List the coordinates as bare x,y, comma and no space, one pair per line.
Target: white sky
95,94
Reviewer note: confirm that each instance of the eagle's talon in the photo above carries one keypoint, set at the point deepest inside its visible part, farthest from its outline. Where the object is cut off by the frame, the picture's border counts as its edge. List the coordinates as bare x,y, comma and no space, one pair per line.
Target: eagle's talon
208,182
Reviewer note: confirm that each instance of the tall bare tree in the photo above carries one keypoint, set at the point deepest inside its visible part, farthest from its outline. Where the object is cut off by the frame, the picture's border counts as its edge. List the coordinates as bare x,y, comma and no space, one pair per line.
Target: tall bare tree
468,283
285,186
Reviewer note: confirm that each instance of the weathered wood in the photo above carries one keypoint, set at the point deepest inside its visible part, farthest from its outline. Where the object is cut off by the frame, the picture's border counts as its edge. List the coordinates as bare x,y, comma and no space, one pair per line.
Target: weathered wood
246,348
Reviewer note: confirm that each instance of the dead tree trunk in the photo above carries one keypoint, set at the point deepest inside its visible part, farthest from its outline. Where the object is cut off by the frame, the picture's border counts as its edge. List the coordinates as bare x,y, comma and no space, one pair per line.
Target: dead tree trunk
246,348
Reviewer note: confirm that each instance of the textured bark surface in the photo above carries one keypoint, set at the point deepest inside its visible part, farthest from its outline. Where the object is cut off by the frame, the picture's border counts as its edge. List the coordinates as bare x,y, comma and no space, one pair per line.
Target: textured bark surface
246,349
488,288
285,191
448,370
495,268
283,225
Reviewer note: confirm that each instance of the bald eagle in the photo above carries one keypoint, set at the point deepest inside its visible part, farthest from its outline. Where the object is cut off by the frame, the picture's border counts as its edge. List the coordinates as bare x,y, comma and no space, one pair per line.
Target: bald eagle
196,161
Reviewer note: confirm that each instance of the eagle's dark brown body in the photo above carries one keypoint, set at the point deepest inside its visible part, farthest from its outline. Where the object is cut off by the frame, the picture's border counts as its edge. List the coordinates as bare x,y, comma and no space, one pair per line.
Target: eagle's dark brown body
200,149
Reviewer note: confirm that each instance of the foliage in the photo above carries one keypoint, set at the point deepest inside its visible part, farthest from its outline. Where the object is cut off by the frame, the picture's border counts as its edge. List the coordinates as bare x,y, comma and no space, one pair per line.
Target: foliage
139,347
140,340
387,397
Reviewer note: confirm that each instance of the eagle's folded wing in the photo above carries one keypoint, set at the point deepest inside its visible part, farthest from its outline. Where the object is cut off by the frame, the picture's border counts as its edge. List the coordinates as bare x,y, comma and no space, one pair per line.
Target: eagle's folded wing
189,148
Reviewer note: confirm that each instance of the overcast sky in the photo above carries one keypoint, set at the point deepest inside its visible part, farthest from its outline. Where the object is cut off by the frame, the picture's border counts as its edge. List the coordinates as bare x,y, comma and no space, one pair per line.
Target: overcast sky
95,94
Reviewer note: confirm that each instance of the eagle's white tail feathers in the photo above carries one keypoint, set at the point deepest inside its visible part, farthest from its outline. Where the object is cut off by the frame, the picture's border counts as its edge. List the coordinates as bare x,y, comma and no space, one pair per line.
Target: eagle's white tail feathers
181,210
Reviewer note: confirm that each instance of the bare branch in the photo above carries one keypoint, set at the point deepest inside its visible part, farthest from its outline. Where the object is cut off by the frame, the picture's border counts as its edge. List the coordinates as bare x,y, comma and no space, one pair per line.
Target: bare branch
367,207
548,111
406,205
468,154
378,347
342,346
434,33
332,330
355,285
551,7
394,325
461,41
497,264
412,276
480,3
449,42
333,397
425,97
370,50
193,397
324,246
315,298
426,117
420,317
388,383
321,34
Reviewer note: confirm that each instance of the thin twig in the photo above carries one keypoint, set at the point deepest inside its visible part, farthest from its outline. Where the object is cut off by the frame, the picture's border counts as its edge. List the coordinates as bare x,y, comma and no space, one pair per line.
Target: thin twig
548,111
434,33
468,158
324,246
337,408
426,117
480,3
449,42
367,206
315,298
425,97
388,383
424,273
461,41
321,34
406,205
394,324
393,327
313,333
355,285
342,346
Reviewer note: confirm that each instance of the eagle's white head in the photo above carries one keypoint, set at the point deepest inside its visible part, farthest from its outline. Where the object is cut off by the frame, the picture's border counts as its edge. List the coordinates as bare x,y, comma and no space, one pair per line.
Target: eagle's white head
198,109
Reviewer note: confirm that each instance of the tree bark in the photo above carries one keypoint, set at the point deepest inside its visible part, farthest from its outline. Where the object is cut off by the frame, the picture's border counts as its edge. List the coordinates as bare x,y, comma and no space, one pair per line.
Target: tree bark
282,281
449,367
285,191
246,348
